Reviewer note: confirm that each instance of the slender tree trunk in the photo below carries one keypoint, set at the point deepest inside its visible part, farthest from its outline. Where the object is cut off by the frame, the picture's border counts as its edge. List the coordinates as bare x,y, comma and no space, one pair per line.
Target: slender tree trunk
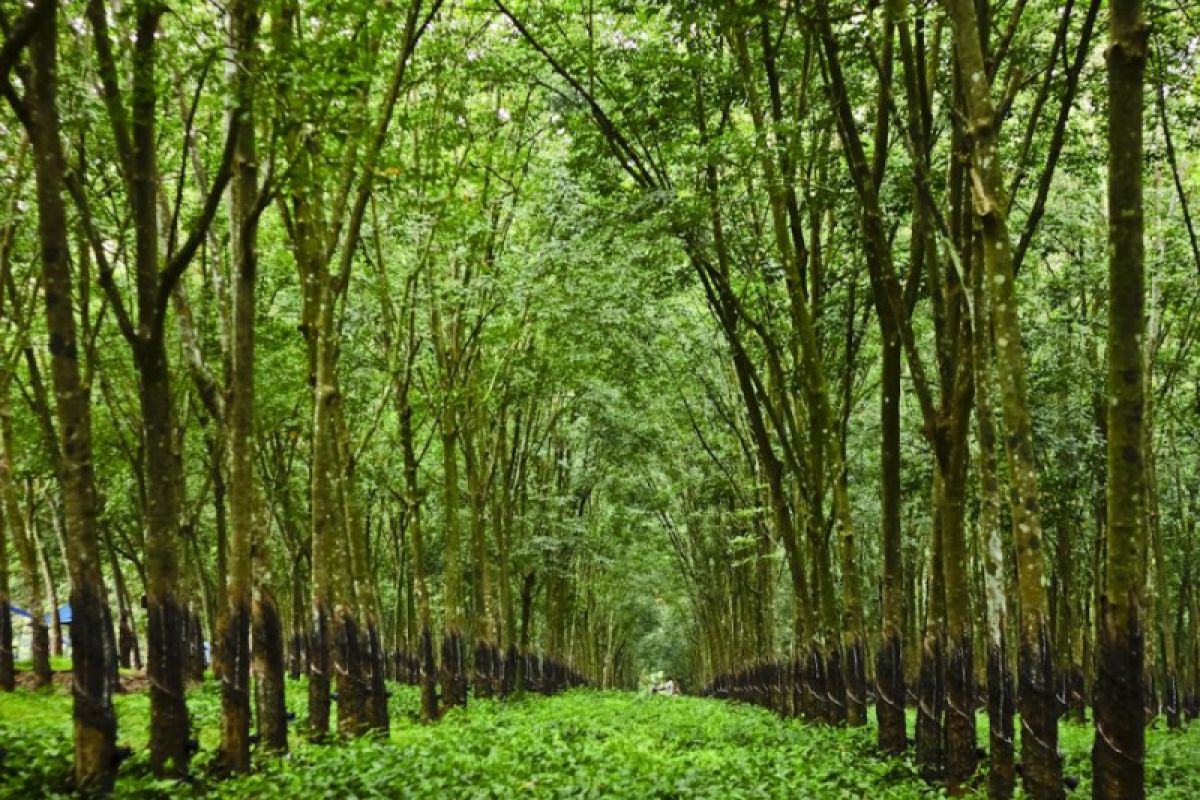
56,627
267,653
1160,591
453,677
235,636
162,461
23,538
7,673
853,640
1119,747
298,645
130,654
1001,769
370,686
502,513
482,610
960,662
425,655
216,621
347,625
889,666
1041,764
168,711
94,720
931,681
323,572
47,576
528,585
825,644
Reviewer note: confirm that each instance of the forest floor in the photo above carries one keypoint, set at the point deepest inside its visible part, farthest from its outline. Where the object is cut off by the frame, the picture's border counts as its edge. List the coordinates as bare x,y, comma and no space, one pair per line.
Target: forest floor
583,744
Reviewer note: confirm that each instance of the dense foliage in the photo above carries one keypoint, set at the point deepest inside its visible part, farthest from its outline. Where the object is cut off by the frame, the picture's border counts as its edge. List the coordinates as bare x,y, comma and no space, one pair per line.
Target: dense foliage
836,357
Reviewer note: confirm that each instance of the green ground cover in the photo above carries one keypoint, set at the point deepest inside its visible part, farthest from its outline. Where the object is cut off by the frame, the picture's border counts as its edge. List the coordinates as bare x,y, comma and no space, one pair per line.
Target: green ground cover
584,744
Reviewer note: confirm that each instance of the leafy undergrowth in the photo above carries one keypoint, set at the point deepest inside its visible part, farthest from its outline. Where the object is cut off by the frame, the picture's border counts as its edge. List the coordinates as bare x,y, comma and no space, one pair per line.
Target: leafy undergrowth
584,744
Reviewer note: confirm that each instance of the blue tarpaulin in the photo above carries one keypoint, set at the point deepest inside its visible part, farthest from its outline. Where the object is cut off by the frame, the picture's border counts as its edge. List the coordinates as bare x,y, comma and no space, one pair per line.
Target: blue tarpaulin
64,614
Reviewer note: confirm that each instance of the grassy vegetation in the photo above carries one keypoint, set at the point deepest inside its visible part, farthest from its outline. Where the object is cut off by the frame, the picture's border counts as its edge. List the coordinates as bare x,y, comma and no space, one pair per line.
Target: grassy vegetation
57,664
584,744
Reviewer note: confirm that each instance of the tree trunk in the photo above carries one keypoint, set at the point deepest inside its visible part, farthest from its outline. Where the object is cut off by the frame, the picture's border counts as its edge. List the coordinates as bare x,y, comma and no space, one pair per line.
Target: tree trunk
370,683
168,712
333,627
528,585
56,627
889,666
128,650
931,681
1160,590
94,721
23,538
959,658
162,461
502,514
1041,764
7,674
267,652
47,575
298,642
348,635
216,622
1119,747
453,677
481,590
853,640
425,655
239,408
1001,769
319,653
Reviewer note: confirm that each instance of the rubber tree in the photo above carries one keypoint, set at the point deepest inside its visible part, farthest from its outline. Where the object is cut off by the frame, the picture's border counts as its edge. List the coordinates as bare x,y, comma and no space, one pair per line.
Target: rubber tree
1000,699
325,238
247,603
945,425
1118,751
14,320
1042,765
157,268
95,724
24,541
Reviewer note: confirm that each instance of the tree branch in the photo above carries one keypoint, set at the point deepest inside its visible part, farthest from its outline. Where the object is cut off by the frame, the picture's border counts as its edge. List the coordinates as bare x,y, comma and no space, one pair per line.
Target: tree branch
19,34
179,261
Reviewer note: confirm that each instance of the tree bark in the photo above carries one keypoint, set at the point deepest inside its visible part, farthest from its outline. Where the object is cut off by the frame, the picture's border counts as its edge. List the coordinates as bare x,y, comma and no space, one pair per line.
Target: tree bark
239,408
453,676
94,720
47,572
931,695
23,538
7,674
1119,747
1041,764
889,666
370,684
1001,769
267,654
425,655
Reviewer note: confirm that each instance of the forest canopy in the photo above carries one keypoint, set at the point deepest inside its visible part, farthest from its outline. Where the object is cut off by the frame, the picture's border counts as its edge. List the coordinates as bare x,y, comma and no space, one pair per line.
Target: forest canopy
833,357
